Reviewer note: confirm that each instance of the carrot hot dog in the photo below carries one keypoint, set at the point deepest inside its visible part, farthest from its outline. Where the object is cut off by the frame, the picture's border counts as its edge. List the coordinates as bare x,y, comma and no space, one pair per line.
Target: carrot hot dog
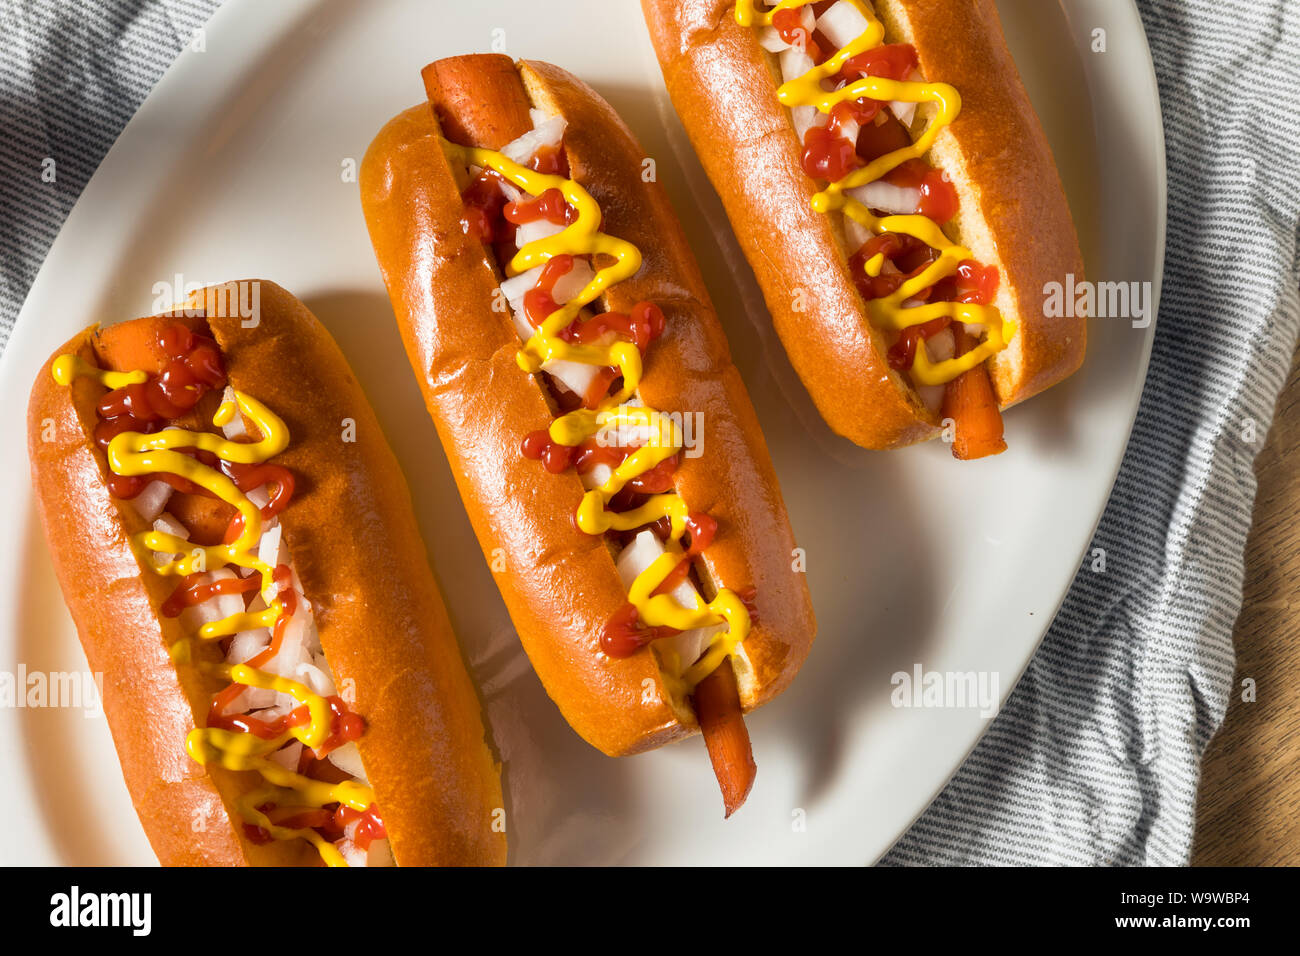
895,196
564,341
281,679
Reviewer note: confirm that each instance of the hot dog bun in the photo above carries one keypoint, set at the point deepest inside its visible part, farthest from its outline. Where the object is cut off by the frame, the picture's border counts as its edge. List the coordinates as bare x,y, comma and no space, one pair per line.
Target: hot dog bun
560,585
1013,213
351,531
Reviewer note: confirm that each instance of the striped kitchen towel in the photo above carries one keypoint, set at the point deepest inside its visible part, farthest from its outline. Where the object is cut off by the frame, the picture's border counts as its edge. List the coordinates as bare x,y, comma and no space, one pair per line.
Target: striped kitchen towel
1096,756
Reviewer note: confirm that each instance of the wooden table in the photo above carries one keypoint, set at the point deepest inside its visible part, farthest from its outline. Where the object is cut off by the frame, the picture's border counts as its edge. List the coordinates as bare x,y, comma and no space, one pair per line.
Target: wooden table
1249,807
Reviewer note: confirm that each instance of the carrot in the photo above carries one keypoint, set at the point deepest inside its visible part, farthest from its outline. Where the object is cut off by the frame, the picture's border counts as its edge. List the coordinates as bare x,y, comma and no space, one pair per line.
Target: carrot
128,346
717,706
478,99
970,403
206,519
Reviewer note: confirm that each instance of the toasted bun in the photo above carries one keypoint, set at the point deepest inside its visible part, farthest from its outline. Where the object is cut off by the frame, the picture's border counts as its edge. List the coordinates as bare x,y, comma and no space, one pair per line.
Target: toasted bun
351,532
560,585
1013,211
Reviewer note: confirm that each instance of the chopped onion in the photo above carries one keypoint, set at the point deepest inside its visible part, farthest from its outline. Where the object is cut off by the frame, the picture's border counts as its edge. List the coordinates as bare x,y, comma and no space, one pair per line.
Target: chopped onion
233,429
248,644
549,132
769,39
940,346
849,130
352,854
260,497
624,435
574,376
277,707
169,525
166,524
523,328
900,200
639,555
805,118
690,645
842,23
255,698
794,64
515,287
537,229
216,608
513,192
268,548
573,281
150,502
293,649
316,679
598,475
348,759
903,111
288,755
856,235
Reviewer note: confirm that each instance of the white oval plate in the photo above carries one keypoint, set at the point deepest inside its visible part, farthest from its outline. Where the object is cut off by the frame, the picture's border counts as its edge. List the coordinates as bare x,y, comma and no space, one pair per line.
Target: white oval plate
236,167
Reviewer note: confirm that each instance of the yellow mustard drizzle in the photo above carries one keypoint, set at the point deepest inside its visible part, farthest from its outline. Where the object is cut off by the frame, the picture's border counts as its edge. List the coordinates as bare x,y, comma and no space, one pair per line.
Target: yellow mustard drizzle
582,237
888,312
135,453
69,367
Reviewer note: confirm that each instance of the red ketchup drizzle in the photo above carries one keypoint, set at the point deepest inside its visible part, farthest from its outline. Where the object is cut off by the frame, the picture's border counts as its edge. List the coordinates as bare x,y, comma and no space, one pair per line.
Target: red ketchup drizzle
194,367
550,205
369,825
192,591
538,446
903,352
624,635
789,24
645,323
345,726
641,326
907,253
484,201
828,153
539,301
248,477
331,823
938,196
890,61
972,284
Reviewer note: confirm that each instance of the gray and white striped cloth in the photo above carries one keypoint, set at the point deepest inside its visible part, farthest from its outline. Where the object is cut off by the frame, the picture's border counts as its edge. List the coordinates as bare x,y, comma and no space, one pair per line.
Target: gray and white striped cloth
1096,757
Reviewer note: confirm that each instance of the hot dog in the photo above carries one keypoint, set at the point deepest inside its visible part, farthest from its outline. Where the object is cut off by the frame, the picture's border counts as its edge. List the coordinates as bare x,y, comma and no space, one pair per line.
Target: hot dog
896,198
563,337
236,544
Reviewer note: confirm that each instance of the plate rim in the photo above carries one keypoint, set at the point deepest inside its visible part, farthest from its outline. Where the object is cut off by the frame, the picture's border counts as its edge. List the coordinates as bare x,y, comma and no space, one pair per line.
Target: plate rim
233,15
